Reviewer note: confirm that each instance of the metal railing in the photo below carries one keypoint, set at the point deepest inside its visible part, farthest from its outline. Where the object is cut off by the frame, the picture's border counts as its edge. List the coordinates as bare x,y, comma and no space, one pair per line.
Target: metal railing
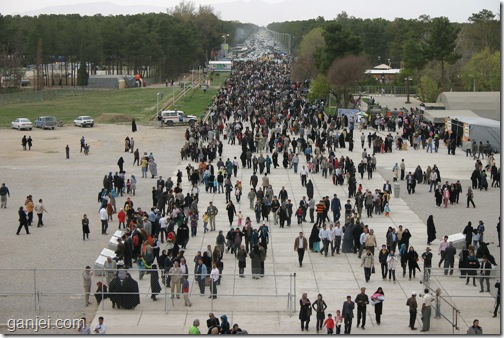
453,314
43,287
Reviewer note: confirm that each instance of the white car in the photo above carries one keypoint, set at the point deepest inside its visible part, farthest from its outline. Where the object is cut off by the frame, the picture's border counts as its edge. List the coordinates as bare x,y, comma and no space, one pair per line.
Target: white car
84,121
22,123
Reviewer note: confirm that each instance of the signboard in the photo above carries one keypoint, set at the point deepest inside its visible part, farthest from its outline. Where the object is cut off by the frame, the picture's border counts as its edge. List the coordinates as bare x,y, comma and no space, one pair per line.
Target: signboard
466,132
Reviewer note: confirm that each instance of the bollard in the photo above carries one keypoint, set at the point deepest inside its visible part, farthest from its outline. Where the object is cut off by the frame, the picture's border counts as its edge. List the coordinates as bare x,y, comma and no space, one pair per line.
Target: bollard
397,190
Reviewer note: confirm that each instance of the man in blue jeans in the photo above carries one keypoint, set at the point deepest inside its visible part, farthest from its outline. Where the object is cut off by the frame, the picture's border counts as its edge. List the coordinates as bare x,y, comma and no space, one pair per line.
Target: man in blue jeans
201,273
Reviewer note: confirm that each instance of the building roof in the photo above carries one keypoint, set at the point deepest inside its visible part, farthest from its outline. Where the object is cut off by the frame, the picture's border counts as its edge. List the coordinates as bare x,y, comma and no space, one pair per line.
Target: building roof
484,104
476,120
383,71
438,116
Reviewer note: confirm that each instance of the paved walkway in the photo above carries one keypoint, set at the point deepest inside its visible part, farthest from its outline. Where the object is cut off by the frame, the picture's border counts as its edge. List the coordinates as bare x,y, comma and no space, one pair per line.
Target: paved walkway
266,312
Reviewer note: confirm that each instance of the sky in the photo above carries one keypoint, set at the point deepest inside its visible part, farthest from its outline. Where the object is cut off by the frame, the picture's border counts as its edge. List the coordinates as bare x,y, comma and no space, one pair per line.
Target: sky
263,12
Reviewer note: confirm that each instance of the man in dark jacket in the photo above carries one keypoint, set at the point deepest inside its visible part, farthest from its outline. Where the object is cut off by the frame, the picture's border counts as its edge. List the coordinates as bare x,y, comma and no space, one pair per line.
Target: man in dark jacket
347,314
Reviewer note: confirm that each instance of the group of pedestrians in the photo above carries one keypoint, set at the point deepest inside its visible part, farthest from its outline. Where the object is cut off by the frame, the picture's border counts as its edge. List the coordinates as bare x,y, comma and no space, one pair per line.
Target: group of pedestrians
341,318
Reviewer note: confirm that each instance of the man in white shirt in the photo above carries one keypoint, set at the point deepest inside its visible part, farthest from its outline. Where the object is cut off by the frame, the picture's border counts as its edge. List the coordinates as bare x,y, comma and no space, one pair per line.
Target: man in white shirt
304,174
331,238
433,179
214,278
163,228
362,241
442,247
104,220
100,328
338,233
426,310
324,236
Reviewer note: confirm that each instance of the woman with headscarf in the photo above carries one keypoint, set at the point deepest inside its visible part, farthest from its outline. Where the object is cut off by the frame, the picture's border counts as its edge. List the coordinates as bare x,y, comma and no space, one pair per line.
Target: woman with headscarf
133,126
224,325
319,306
131,296
472,266
377,300
412,262
305,311
154,282
418,174
114,287
403,253
255,257
102,291
431,230
314,239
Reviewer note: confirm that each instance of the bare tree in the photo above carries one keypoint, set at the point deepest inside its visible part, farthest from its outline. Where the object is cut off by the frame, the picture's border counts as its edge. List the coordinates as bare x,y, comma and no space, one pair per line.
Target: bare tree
344,73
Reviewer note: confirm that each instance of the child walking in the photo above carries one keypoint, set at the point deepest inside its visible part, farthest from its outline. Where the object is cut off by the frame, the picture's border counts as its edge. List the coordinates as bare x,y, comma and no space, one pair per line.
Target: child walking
121,216
387,210
329,324
205,222
240,218
185,292
338,319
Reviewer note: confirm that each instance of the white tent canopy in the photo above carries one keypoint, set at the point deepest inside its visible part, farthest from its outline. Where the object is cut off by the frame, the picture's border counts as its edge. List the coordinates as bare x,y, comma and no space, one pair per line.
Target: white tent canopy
480,129
439,116
484,104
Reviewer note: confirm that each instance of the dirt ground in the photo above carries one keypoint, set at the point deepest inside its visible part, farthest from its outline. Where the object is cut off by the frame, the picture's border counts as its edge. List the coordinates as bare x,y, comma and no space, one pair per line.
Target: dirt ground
69,189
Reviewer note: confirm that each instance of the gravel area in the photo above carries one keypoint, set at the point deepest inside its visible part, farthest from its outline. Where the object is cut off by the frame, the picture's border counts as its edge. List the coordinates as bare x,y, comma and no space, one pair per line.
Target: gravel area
69,189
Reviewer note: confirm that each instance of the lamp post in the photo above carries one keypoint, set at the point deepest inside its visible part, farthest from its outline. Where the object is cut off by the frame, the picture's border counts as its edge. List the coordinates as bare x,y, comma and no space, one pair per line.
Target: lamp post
407,79
157,102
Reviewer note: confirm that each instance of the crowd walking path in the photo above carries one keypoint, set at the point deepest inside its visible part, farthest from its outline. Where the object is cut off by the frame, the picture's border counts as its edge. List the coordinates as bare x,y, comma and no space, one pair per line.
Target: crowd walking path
260,306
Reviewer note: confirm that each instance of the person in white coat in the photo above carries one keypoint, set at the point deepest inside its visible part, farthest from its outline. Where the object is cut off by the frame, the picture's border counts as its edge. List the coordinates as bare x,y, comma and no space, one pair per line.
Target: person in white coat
391,265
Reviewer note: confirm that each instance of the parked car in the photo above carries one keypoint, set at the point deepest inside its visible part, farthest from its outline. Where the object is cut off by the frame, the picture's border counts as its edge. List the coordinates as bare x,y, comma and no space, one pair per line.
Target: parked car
46,122
22,123
172,117
84,121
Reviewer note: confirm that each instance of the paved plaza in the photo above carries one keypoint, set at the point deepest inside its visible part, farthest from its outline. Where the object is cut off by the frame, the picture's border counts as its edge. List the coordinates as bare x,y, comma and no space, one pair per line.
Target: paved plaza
261,306
69,189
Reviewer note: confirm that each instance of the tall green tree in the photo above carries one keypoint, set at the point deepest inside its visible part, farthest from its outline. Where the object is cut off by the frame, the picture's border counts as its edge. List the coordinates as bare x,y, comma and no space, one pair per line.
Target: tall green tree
482,72
339,42
441,42
82,75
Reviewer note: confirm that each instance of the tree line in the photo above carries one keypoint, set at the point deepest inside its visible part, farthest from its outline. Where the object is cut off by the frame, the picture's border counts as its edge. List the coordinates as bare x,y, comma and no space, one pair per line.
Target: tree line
163,44
434,54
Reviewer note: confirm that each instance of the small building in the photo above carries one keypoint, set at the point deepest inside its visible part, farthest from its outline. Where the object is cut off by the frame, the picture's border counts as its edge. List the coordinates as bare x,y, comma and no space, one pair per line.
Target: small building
383,73
220,66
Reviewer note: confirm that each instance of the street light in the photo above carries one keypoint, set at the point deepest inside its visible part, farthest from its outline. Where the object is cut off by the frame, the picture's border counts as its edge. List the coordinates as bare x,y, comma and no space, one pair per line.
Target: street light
407,79
224,36
157,102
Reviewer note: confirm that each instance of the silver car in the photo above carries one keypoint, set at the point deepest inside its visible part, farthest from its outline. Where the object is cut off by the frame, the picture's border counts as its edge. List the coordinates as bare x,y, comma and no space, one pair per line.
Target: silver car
84,121
22,123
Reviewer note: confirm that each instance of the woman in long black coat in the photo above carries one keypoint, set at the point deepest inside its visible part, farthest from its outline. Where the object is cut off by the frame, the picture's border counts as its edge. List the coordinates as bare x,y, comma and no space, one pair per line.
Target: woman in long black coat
133,126
115,286
412,262
304,311
431,230
131,298
314,237
154,282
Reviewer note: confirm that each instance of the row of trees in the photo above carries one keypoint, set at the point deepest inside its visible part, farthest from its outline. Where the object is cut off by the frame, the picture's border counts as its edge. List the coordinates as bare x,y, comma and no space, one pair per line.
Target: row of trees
165,43
435,53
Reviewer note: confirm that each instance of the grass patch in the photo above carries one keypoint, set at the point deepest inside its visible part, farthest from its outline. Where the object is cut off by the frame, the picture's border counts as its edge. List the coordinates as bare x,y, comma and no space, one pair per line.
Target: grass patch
112,106
139,103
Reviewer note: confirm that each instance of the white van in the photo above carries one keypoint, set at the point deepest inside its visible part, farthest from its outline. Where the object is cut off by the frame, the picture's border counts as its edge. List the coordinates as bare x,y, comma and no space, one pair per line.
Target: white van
172,117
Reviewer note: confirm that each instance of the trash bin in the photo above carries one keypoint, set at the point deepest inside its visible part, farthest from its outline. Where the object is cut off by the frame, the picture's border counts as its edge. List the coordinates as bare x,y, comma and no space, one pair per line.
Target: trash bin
397,190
